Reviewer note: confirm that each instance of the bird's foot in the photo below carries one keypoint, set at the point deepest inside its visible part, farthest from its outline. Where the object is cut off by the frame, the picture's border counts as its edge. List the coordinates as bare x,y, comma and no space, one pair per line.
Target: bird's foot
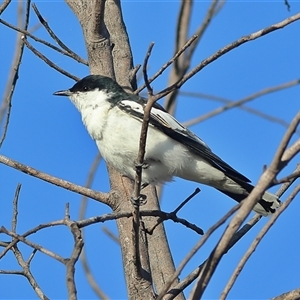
138,201
142,165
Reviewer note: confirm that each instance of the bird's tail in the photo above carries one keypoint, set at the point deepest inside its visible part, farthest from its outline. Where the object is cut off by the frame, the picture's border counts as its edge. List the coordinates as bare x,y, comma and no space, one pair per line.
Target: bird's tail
265,206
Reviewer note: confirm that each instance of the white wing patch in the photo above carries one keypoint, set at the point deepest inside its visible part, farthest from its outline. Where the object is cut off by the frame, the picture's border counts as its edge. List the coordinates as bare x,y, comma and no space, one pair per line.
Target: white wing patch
163,118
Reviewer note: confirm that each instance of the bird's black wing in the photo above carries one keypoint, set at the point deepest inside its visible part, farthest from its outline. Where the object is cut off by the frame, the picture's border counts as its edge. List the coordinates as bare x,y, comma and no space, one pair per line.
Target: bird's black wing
166,123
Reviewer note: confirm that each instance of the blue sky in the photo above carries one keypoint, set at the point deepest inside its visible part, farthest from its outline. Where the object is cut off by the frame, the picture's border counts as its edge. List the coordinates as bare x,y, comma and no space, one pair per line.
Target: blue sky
46,133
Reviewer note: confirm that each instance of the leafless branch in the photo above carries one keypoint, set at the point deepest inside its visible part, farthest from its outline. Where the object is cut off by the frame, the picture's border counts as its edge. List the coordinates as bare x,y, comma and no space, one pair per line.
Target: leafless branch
226,49
14,73
101,197
70,263
27,33
56,39
292,295
25,265
31,244
164,294
168,63
83,258
255,243
246,206
4,5
239,103
183,63
48,61
15,209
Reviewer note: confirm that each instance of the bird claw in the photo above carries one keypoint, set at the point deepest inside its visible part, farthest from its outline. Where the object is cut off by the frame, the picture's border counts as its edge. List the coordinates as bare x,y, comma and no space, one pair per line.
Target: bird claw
143,165
139,201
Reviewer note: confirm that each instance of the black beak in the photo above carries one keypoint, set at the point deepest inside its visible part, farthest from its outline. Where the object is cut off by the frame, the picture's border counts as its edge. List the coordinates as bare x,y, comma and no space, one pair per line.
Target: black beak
63,93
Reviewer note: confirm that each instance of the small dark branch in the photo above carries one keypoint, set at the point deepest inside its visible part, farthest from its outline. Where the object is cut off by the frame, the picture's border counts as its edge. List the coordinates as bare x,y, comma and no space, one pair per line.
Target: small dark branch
9,246
27,33
197,191
195,249
227,49
48,61
287,4
173,214
15,209
14,73
70,263
294,176
32,245
101,197
255,243
27,273
136,195
168,63
239,103
56,39
4,5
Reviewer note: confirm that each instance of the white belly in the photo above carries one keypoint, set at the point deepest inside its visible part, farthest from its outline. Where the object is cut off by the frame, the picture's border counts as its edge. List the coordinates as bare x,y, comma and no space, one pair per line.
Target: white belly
119,146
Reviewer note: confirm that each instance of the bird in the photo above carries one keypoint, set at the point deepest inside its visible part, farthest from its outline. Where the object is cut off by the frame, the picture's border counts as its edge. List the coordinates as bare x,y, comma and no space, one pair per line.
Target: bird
113,118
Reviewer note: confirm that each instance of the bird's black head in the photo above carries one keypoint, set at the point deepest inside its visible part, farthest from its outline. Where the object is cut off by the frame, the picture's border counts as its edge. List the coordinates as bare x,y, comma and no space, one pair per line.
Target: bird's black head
93,82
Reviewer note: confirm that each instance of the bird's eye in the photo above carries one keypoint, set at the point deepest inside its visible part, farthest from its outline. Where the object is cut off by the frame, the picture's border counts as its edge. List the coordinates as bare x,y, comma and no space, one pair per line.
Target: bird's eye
85,88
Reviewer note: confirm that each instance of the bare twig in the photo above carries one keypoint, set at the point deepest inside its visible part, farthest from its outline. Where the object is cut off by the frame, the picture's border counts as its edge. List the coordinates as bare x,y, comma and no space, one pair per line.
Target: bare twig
27,33
255,243
25,265
72,54
183,63
4,5
101,197
136,195
83,258
15,209
14,73
168,63
70,263
246,206
48,61
173,214
226,49
32,245
201,242
239,103
292,295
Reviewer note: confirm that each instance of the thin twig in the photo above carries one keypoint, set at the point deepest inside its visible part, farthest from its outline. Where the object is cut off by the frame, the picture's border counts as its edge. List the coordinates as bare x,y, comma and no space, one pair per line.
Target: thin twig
255,243
27,33
101,197
70,263
48,61
14,73
195,249
239,103
83,258
15,209
226,49
168,63
4,5
175,211
72,54
246,206
136,195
